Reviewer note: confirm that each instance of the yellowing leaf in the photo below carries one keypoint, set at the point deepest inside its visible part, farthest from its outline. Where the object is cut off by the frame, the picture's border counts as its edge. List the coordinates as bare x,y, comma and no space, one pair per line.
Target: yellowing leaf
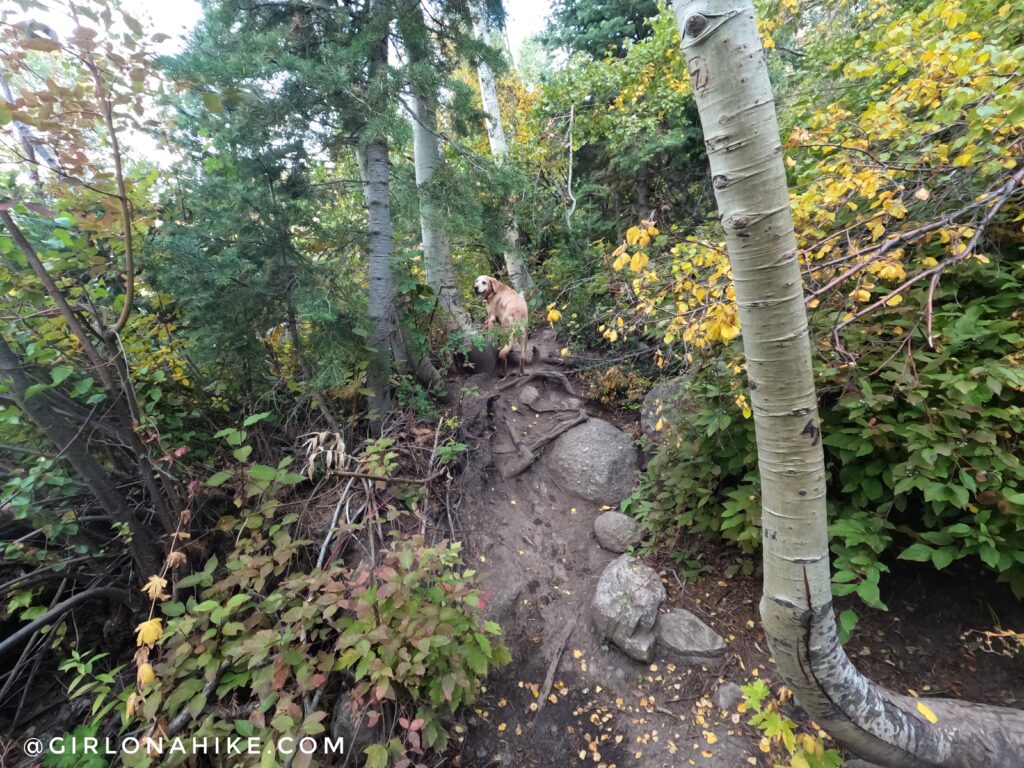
632,235
148,632
154,588
176,558
638,262
928,714
145,675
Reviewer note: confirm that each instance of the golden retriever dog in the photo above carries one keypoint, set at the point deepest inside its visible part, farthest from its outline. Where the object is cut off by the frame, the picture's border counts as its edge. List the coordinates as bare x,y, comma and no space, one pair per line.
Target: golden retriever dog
508,309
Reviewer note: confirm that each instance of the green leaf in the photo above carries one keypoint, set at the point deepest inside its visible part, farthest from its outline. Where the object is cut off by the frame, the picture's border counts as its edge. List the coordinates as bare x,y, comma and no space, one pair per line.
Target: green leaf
262,472
241,454
60,373
920,553
847,623
376,756
868,592
943,557
989,555
218,479
255,418
172,609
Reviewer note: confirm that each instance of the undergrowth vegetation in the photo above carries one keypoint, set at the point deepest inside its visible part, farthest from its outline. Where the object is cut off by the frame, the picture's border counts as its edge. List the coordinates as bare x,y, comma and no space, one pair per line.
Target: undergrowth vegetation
229,371
905,176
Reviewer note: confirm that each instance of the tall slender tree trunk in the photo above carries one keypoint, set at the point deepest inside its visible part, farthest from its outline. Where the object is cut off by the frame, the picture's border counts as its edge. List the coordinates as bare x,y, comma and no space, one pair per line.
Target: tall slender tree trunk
734,97
437,252
70,443
373,163
374,170
518,272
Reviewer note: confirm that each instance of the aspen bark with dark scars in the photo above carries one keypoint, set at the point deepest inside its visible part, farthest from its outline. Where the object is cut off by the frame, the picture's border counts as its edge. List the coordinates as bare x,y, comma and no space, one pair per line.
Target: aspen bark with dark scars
734,98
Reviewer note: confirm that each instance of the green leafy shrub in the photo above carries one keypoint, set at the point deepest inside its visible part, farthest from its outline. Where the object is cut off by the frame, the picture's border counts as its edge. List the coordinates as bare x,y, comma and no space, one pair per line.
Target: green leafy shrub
922,445
253,641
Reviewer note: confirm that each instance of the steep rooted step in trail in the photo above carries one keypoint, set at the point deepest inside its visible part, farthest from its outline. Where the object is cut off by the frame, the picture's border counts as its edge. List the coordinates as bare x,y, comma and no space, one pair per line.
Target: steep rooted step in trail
543,470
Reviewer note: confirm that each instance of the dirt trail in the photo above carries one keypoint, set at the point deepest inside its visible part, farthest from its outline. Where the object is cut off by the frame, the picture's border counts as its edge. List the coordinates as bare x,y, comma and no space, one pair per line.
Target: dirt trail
567,699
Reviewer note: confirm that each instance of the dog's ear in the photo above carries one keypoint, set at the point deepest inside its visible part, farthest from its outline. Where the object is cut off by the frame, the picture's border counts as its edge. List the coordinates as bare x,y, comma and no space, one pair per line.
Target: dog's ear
492,284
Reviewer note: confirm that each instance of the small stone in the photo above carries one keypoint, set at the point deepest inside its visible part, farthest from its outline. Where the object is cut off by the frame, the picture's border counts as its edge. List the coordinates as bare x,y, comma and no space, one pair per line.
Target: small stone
728,696
683,635
616,532
528,394
640,646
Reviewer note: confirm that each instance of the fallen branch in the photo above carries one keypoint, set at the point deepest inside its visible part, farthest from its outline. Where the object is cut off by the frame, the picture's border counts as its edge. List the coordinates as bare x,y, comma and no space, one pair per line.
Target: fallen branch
552,668
12,641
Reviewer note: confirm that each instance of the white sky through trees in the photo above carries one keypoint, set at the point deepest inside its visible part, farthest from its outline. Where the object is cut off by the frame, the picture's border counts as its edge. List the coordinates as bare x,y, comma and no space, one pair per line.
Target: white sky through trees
177,18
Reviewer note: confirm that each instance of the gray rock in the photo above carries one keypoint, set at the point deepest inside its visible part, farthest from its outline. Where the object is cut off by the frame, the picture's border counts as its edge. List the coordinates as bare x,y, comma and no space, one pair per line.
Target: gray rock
683,635
616,532
626,605
348,722
528,394
858,763
640,646
728,696
595,460
664,401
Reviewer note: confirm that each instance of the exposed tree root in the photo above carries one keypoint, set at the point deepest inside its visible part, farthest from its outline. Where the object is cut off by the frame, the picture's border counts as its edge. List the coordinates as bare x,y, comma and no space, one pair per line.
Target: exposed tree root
528,453
553,666
561,378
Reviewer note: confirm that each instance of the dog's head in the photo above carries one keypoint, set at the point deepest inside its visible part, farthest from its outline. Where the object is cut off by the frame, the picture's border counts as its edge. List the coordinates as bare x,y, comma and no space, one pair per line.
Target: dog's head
484,285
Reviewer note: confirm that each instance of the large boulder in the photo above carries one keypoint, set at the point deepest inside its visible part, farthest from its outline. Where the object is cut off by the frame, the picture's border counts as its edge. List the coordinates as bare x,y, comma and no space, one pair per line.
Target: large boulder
665,402
625,606
595,460
616,532
687,638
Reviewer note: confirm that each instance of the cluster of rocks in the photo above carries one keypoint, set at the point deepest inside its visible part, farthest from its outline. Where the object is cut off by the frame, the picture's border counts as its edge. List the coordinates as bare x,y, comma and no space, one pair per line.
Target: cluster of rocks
627,611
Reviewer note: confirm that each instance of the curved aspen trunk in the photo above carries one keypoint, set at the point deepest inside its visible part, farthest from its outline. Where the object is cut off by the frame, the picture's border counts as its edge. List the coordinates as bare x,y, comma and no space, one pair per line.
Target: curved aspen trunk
734,97
518,272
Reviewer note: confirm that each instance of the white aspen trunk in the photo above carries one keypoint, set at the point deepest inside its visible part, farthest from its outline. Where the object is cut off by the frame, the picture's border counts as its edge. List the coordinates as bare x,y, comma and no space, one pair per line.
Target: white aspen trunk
437,252
518,272
737,109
